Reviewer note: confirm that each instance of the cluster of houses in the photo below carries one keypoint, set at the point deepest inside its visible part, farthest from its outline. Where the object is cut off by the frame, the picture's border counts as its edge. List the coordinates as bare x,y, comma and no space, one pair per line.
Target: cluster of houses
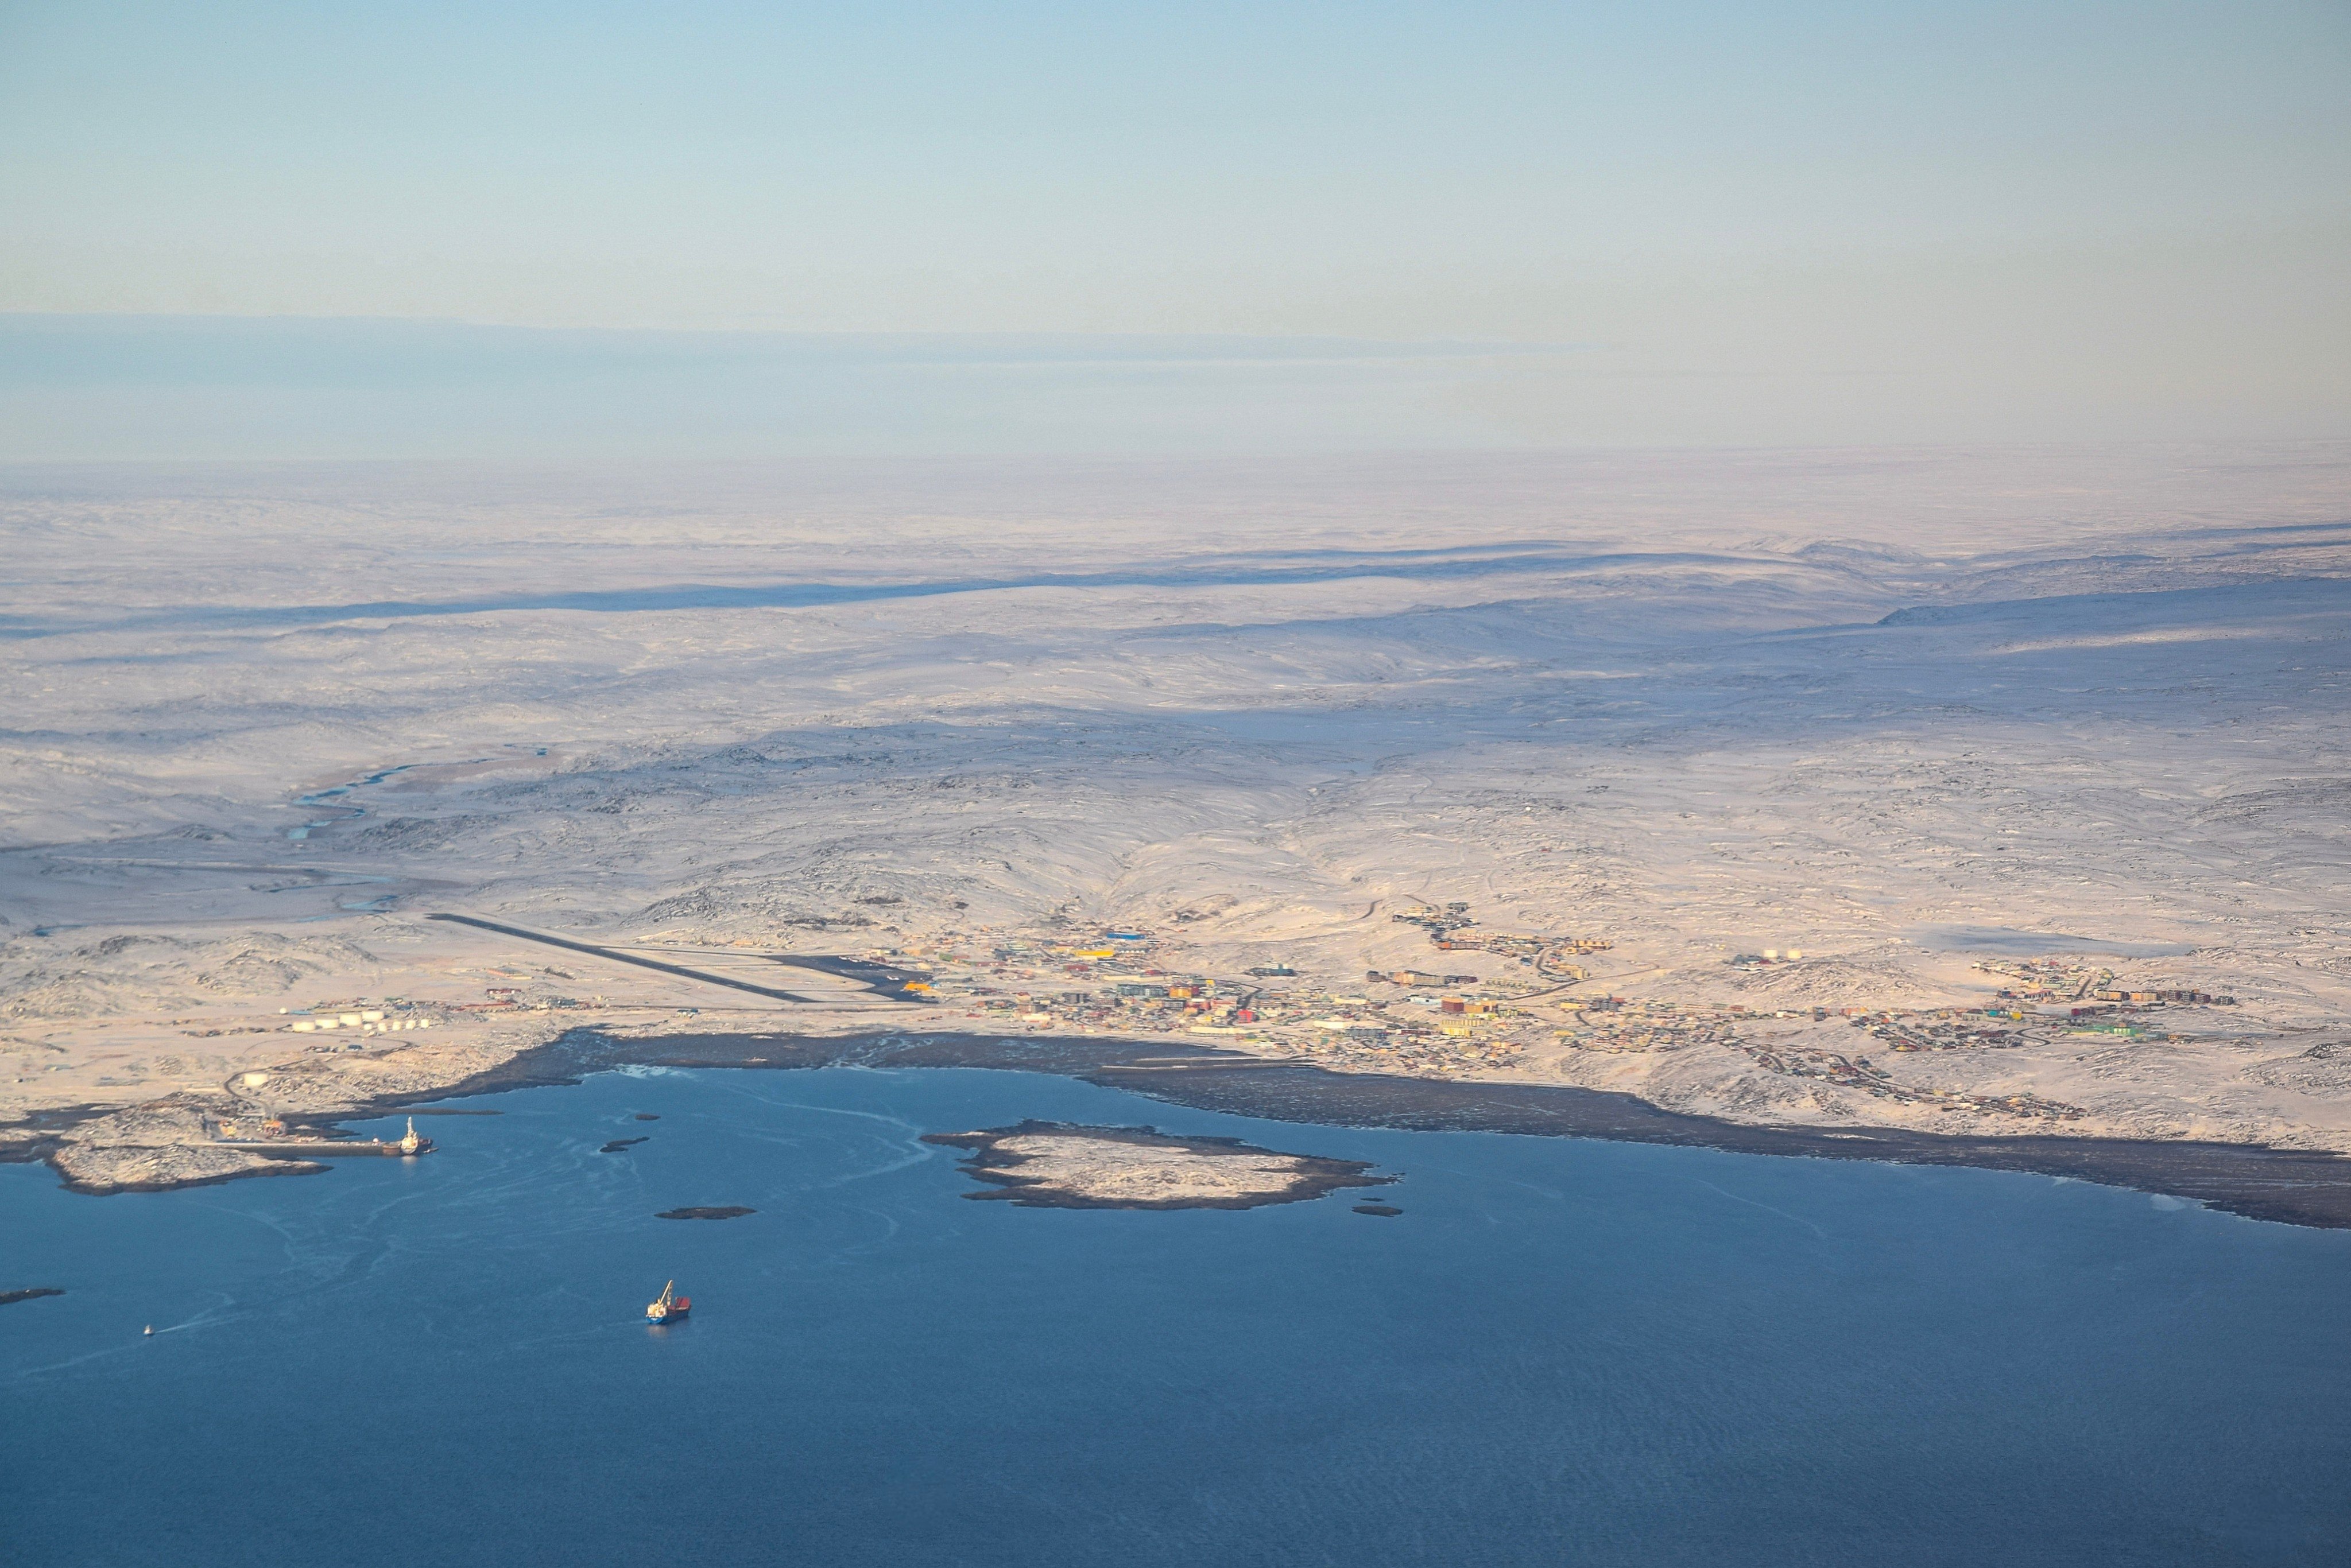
1436,1021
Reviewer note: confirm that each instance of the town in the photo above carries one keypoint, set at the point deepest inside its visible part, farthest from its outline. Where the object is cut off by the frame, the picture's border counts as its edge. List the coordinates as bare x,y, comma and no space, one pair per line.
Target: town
1536,1006
1440,1022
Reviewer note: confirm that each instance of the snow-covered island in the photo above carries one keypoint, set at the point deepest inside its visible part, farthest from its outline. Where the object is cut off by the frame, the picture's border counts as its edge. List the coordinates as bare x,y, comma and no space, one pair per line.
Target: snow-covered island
1060,1165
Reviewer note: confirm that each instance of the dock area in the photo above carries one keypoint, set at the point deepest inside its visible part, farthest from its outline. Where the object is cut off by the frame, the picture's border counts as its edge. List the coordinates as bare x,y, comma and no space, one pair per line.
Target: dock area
319,1149
280,1146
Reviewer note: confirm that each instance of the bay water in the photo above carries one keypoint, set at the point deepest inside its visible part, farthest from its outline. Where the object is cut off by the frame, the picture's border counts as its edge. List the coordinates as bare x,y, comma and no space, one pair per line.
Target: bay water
1562,1352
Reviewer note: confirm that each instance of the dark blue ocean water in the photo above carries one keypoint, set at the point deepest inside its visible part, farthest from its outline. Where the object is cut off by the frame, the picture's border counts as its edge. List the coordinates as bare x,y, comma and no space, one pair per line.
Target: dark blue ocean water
1562,1353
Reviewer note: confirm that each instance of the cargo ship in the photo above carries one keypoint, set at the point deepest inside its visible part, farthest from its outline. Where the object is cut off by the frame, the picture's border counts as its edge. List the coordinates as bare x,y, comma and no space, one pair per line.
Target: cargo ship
669,1305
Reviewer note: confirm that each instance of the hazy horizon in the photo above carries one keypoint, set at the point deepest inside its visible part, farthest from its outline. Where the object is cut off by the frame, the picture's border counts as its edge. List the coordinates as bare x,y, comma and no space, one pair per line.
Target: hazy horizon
740,231
230,388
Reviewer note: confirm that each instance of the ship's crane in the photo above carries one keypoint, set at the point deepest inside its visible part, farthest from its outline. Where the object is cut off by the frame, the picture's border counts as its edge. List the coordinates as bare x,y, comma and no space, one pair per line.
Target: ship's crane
668,1305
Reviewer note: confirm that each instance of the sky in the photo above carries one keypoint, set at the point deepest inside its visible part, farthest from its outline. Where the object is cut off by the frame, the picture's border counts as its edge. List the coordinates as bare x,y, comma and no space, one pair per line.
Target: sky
321,230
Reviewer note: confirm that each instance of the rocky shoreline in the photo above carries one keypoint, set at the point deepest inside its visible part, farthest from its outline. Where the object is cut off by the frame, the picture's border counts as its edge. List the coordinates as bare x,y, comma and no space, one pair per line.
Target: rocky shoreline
2298,1186
10,1298
166,1144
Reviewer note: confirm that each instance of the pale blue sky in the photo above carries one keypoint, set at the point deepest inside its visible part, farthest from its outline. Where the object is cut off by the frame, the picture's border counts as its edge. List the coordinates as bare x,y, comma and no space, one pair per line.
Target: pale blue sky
1753,223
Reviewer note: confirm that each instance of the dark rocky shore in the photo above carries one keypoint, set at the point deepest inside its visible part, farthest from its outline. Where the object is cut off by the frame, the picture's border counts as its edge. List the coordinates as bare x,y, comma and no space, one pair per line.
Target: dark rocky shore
2294,1186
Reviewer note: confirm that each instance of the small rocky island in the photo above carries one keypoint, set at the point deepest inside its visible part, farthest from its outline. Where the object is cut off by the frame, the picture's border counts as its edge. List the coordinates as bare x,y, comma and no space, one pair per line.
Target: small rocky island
1057,1165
